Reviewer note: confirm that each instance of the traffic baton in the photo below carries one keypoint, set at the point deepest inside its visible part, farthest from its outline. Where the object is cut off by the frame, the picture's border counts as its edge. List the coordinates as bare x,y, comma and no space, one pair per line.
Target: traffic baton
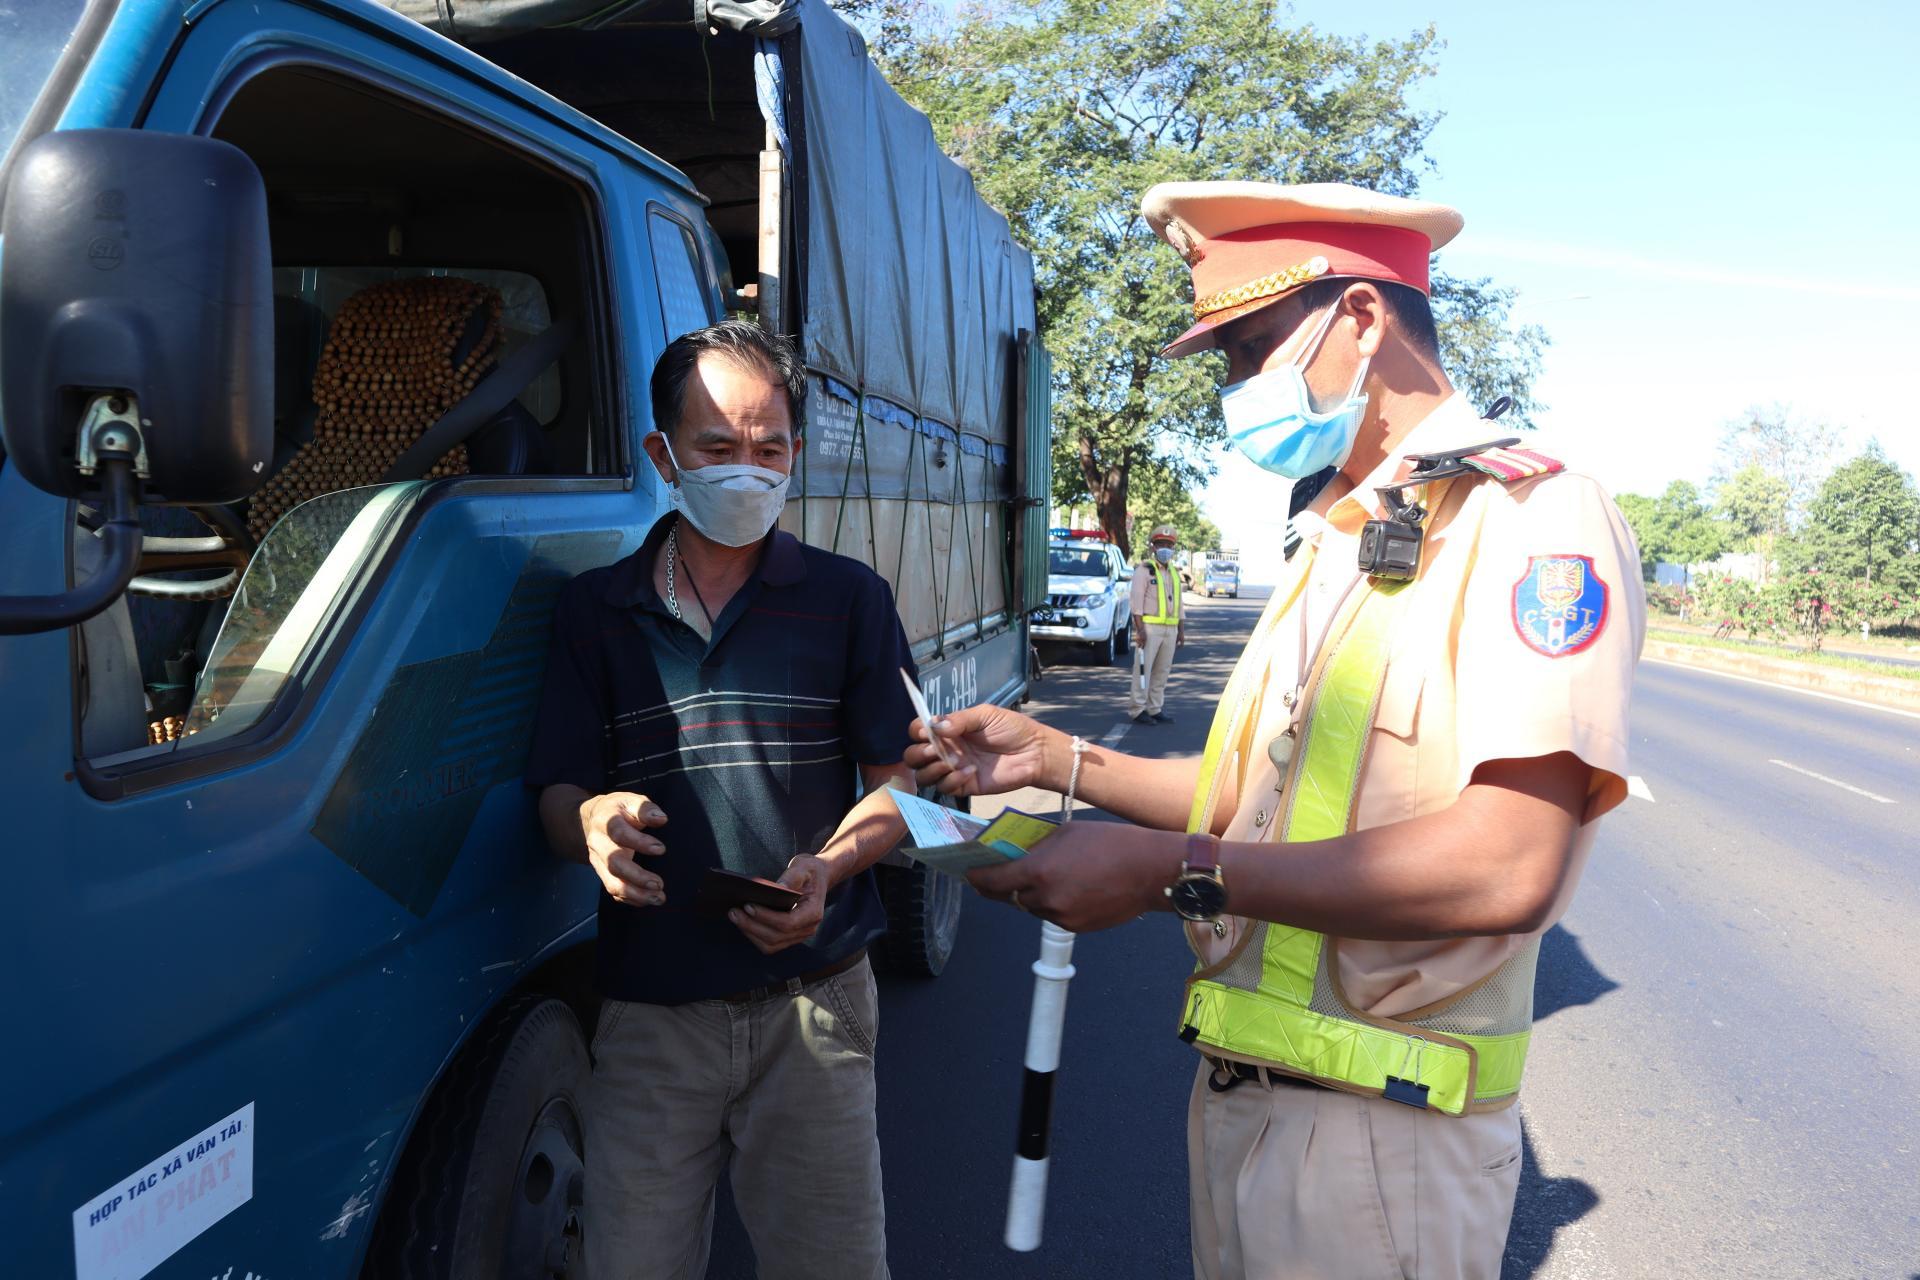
1027,1200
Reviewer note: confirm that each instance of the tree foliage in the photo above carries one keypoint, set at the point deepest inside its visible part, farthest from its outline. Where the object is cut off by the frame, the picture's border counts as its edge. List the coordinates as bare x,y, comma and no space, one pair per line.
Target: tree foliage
1066,111
1160,498
1863,524
1677,527
1485,355
1753,503
1793,450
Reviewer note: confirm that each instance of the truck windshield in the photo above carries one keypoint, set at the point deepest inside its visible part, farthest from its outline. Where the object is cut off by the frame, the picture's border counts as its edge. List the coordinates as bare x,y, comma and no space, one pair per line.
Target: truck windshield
32,34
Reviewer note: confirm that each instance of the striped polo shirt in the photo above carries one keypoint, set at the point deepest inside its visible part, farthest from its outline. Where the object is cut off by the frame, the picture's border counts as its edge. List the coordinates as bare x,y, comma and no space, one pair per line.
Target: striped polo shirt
750,742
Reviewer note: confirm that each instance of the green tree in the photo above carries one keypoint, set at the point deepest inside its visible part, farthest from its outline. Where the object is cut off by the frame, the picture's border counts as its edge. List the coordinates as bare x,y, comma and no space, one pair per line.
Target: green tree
890,26
1159,497
1863,524
1485,355
1642,516
1677,527
1754,504
1066,111
1792,450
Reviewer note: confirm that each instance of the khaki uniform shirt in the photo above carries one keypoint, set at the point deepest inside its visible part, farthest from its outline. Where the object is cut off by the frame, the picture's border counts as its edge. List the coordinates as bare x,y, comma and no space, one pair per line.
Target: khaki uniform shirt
1463,685
1146,597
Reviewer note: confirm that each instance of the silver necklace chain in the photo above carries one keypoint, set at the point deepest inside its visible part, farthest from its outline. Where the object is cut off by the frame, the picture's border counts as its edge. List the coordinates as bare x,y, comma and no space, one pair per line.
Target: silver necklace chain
673,547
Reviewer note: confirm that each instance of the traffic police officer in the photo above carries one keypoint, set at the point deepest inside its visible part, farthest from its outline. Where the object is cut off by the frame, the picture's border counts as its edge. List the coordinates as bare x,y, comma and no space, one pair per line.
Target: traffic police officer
1430,717
1158,627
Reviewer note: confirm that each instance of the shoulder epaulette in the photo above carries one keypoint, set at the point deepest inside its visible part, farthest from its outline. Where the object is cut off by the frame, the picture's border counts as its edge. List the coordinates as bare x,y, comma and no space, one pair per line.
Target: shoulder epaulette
1496,458
1508,464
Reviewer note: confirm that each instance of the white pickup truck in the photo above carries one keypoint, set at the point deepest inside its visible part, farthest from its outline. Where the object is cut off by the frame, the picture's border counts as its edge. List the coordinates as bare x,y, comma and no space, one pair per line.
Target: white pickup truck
1089,598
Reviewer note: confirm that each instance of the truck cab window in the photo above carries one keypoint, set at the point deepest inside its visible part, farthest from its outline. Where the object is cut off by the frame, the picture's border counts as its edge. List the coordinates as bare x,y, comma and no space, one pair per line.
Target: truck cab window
684,304
434,317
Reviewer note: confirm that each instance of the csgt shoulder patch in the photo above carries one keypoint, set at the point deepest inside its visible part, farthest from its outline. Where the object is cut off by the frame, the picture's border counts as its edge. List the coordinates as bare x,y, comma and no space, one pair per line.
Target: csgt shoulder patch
1559,605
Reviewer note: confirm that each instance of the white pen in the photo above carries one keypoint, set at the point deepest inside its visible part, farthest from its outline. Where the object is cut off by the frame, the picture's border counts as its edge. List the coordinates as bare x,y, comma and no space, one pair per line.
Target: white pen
926,717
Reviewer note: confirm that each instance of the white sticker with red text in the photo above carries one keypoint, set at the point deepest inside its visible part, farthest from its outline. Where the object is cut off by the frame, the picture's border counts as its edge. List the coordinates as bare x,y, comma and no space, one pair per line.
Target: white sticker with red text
145,1218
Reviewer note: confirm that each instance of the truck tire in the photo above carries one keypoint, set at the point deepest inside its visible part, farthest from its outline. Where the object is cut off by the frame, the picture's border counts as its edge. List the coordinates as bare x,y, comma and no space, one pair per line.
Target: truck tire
1125,631
923,918
489,1187
1108,653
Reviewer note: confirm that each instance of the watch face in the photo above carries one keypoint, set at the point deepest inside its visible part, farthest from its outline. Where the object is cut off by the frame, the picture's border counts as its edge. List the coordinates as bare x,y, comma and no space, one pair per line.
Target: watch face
1199,897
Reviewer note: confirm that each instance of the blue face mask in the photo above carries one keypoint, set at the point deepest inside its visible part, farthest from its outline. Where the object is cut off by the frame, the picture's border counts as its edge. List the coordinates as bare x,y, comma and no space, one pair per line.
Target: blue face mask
1270,416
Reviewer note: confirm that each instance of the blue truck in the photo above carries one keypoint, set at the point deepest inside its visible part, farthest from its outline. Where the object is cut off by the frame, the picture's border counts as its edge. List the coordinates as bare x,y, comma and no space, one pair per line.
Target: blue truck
324,337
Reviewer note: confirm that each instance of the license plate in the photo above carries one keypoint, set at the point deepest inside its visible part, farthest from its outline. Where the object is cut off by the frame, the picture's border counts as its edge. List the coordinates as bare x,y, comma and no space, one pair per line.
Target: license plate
1045,617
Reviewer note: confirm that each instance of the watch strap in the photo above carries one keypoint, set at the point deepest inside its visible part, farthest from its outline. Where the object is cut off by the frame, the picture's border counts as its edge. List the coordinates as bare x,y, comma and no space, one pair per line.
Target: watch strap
1203,852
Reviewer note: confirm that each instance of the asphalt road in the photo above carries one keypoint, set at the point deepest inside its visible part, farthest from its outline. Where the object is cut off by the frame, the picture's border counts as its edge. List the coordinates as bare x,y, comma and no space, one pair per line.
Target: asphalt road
1723,1078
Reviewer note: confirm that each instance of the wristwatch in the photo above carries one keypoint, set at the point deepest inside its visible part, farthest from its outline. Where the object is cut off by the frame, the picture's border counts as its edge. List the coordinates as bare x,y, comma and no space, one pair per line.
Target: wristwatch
1201,891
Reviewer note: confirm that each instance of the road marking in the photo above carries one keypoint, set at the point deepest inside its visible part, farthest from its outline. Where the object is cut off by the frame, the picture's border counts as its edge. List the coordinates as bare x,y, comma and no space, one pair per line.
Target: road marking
1637,786
1788,688
1844,786
1113,735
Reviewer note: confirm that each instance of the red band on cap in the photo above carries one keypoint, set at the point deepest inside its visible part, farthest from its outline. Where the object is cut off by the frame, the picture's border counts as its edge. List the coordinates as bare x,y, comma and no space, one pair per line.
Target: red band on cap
1373,252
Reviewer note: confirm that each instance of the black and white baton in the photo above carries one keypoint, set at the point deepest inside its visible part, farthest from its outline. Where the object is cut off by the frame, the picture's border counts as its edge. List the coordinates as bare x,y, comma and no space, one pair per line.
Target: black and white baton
1027,1201
1027,1198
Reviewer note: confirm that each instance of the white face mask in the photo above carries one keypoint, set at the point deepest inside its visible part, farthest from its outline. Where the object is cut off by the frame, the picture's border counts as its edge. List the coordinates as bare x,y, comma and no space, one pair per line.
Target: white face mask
732,503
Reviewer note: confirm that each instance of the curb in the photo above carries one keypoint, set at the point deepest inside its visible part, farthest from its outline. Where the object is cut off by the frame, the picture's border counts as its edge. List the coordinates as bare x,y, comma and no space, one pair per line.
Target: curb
1888,691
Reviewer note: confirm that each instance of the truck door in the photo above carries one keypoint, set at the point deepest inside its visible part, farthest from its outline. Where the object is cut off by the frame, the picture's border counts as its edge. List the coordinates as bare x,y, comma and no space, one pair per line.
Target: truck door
271,862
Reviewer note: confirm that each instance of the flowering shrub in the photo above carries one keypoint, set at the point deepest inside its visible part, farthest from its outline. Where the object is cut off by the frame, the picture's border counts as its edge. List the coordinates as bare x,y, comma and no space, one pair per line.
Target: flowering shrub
1671,600
1803,607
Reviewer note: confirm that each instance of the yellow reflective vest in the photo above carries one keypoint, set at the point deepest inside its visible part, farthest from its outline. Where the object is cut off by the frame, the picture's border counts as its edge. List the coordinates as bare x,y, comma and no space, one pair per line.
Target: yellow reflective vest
1276,999
1168,586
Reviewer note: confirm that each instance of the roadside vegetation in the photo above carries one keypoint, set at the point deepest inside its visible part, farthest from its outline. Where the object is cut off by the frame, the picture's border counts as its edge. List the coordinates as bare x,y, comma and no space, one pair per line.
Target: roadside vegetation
1787,545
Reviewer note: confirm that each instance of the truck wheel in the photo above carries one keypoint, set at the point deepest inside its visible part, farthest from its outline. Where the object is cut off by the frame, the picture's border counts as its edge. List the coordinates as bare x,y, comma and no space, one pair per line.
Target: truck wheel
1110,653
1125,632
923,918
489,1187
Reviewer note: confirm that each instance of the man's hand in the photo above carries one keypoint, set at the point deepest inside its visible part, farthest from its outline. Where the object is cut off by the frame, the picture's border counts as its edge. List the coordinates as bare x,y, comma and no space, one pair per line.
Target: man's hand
1089,875
1180,636
1140,635
998,750
615,826
774,931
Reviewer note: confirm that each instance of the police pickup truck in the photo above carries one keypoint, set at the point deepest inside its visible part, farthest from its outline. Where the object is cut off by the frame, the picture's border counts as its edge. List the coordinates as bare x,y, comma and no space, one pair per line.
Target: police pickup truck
1089,599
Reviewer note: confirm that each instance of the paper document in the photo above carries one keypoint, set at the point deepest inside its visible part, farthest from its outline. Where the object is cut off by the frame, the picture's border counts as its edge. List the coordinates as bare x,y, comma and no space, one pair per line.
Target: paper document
948,840
935,824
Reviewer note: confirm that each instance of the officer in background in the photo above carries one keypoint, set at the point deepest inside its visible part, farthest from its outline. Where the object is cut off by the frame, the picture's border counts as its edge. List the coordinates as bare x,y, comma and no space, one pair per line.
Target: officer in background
1158,627
1431,716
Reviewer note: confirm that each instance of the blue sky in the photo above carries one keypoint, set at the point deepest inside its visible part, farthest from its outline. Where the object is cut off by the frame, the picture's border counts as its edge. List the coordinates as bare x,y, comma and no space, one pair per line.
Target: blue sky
1707,205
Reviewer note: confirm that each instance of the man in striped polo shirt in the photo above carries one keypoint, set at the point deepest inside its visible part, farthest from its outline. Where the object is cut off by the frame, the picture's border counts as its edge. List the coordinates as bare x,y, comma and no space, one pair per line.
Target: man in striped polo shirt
714,700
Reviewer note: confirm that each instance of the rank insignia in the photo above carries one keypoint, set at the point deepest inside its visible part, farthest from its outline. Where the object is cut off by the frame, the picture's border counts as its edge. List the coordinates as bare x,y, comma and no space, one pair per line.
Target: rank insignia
1559,605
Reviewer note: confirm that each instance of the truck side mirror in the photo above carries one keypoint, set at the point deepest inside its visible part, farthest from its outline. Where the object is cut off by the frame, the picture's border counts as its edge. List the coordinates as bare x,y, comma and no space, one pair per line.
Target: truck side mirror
136,336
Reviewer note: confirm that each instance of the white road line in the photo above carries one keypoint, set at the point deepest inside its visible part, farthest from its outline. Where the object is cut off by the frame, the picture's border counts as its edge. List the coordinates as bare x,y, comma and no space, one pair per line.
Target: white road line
1788,688
1844,786
1637,786
1113,735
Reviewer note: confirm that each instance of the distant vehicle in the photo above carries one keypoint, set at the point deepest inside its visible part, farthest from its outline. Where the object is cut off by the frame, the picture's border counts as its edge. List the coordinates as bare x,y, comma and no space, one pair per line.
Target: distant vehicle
1202,562
1222,577
1089,601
